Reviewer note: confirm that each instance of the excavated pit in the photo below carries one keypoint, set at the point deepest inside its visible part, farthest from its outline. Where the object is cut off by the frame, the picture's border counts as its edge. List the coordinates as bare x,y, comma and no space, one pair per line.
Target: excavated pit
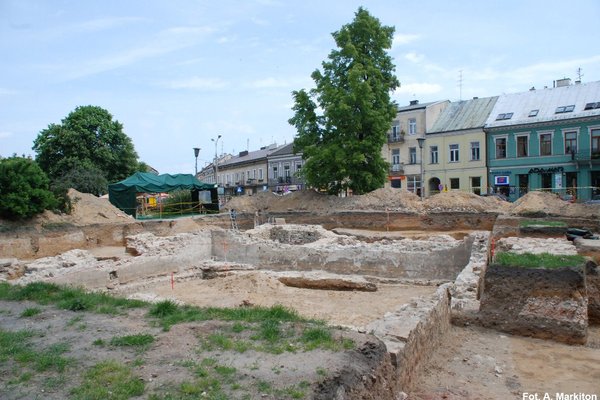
423,280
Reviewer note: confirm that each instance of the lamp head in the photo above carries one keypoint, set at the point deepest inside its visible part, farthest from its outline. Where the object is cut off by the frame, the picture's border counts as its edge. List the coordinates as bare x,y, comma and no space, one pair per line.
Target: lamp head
196,151
421,141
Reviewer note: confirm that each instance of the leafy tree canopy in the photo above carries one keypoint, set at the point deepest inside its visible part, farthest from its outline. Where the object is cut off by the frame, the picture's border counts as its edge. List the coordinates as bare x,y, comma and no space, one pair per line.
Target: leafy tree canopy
23,188
342,123
87,140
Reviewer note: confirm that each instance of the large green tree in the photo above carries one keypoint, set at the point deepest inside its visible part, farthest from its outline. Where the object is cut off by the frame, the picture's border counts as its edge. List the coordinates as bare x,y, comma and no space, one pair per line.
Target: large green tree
87,140
23,188
342,122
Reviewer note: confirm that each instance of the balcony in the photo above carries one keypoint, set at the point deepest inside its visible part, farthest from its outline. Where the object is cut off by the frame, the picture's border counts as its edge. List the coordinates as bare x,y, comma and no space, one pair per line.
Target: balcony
395,138
397,169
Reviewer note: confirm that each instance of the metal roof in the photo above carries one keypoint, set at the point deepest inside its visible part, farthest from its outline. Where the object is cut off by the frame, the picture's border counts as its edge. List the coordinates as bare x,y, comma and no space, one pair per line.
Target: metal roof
546,102
465,114
250,156
417,106
286,149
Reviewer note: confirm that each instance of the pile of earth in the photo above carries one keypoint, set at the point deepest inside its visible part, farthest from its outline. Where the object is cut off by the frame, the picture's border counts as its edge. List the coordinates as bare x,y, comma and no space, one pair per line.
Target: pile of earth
550,204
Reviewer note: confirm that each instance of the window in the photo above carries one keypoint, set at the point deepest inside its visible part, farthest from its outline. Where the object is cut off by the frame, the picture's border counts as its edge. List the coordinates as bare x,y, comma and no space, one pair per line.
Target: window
591,106
570,142
412,126
260,174
545,144
298,166
476,184
454,183
453,153
395,159
595,143
396,129
500,147
412,155
564,109
433,153
253,174
533,113
275,172
503,116
475,155
522,146
286,170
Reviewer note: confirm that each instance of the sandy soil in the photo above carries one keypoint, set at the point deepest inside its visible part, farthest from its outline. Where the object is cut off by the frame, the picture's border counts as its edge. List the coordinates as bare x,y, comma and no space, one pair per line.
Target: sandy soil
477,363
344,308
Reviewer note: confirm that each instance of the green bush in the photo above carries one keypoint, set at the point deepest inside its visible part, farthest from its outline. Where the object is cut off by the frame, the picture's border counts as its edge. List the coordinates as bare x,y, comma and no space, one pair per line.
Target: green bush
23,189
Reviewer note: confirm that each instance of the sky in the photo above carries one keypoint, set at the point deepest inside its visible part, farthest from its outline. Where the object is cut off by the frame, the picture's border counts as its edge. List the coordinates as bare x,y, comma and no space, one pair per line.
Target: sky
179,73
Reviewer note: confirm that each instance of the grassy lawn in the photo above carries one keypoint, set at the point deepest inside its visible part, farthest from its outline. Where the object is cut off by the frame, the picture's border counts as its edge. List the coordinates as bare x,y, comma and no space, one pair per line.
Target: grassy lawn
544,260
31,361
545,223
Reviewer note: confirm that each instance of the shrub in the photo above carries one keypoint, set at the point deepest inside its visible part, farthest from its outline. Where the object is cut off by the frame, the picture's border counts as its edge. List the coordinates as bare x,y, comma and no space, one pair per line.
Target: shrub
23,189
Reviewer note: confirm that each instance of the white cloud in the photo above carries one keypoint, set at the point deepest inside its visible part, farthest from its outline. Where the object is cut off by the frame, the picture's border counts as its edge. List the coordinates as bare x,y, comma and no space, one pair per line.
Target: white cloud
403,38
197,83
107,23
414,57
419,88
5,135
166,41
268,83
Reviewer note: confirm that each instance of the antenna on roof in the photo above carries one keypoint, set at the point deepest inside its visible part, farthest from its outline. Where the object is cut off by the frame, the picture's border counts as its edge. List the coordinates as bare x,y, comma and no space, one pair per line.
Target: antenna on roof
460,82
579,74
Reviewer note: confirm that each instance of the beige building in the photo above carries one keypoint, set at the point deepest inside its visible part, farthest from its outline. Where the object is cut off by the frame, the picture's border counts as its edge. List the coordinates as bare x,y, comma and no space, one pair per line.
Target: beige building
402,149
454,152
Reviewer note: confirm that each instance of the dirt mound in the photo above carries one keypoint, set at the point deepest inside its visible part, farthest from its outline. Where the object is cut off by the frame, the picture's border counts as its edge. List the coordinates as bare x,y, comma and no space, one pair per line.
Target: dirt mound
87,210
464,202
543,203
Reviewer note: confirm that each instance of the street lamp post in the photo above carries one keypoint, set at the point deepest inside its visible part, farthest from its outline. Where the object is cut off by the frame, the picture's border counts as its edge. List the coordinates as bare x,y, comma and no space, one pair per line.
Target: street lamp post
421,142
196,152
216,160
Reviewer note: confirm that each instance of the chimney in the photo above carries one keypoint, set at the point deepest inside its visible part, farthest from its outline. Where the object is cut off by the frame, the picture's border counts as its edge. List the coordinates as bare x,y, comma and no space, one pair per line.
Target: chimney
414,102
562,82
243,153
532,89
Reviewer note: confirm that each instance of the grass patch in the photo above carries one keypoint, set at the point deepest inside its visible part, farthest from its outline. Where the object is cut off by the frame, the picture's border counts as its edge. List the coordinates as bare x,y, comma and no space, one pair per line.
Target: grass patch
31,312
169,313
74,299
108,380
544,260
140,340
16,346
532,222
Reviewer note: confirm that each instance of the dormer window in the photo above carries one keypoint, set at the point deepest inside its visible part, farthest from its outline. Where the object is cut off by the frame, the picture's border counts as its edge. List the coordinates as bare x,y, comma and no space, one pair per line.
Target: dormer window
592,106
564,109
533,113
504,116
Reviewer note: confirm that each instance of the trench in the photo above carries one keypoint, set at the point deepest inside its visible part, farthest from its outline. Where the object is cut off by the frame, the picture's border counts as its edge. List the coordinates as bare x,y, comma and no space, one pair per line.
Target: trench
438,280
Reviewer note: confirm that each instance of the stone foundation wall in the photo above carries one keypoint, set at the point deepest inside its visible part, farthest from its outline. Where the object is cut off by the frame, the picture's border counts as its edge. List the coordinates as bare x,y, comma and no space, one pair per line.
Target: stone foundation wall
441,263
547,304
592,278
413,332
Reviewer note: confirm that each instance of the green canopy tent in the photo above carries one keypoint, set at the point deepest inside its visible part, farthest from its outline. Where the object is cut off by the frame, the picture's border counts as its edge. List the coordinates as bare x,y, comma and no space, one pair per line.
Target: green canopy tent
123,194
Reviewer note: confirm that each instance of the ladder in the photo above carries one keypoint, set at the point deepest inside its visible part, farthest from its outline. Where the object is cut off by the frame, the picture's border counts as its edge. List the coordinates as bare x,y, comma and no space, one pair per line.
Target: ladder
233,218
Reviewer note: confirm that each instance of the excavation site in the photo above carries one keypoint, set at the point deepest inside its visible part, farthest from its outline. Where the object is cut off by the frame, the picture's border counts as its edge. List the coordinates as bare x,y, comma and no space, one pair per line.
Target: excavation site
412,289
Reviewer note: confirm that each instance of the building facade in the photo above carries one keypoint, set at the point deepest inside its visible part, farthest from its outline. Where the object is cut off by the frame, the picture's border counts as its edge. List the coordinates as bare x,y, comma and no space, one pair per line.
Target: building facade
283,170
402,151
246,173
546,139
455,148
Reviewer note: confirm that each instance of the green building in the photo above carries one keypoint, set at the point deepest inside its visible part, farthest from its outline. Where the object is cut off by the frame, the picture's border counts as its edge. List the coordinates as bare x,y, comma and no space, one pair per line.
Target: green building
546,139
